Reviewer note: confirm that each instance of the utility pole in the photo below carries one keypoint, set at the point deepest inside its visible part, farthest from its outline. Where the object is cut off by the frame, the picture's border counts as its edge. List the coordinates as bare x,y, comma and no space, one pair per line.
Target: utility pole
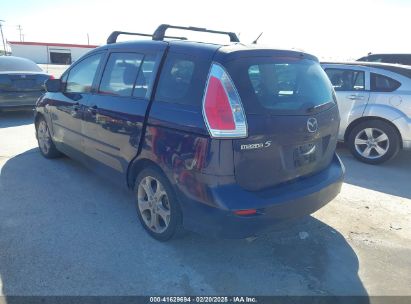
2,37
19,28
88,39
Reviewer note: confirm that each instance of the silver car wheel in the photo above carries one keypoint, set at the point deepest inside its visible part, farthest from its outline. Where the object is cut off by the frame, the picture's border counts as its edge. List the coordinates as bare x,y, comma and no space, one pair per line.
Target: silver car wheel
43,137
153,204
372,143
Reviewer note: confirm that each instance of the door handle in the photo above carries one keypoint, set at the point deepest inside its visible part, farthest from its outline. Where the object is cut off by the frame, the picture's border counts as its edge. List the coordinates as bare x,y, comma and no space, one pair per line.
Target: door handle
356,97
92,109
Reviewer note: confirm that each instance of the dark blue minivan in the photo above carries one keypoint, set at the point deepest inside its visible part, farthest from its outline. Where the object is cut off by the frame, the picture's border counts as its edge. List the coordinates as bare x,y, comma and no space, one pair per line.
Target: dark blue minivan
226,140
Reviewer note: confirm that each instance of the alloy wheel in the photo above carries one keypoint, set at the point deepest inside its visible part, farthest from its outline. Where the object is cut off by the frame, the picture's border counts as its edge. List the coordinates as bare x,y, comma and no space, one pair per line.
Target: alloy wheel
153,203
43,137
372,143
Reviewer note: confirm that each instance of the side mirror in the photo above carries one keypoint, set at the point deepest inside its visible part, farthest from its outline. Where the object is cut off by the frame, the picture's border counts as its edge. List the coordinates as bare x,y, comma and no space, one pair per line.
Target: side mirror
53,85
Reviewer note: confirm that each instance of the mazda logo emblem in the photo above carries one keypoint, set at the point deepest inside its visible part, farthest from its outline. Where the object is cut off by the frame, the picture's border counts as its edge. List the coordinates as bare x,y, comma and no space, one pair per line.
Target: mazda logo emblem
312,125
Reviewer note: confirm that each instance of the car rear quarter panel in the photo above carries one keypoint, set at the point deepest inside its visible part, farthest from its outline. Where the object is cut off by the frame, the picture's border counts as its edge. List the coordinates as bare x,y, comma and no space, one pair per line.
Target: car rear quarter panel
393,106
192,161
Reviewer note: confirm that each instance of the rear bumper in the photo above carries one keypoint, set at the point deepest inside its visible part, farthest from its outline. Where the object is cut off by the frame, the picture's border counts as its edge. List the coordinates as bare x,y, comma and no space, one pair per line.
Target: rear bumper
276,205
406,144
9,100
403,125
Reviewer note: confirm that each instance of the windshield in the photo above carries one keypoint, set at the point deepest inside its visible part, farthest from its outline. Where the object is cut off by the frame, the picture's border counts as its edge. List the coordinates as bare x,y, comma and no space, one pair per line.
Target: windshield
16,64
282,85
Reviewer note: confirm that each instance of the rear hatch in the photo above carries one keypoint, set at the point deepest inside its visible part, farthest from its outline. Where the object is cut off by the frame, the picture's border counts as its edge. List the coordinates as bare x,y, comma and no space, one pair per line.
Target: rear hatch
22,81
292,119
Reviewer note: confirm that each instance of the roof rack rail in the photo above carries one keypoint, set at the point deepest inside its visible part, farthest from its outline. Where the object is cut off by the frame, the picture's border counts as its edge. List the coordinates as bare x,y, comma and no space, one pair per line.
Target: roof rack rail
160,32
114,35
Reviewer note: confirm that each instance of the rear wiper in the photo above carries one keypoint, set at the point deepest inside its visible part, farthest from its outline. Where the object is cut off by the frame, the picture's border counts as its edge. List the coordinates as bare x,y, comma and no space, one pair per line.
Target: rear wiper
318,107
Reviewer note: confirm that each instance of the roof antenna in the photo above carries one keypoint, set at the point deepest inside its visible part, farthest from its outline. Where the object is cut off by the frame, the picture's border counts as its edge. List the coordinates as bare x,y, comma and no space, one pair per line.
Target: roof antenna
255,41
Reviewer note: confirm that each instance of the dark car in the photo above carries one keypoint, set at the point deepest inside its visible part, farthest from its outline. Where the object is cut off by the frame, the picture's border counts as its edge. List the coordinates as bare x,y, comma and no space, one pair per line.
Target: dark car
404,59
21,82
226,140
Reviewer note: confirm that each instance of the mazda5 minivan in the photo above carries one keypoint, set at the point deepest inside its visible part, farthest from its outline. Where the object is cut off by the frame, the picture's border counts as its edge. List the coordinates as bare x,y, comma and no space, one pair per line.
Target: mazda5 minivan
226,140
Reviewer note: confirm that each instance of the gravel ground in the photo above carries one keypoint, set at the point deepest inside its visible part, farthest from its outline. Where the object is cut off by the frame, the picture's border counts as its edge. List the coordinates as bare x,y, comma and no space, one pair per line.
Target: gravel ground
66,231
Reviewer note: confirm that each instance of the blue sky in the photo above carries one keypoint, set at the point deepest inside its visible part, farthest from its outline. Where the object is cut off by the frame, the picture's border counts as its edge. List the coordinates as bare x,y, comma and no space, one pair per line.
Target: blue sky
330,29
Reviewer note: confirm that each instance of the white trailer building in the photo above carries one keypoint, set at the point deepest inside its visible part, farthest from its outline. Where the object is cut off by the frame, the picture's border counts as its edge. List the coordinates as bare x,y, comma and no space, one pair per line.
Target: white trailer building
49,53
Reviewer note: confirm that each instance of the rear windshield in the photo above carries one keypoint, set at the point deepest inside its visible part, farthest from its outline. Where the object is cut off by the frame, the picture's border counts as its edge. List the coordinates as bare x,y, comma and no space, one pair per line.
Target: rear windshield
16,64
281,86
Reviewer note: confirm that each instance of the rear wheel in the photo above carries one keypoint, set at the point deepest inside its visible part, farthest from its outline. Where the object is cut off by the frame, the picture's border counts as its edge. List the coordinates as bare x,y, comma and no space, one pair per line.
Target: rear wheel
157,207
374,141
46,145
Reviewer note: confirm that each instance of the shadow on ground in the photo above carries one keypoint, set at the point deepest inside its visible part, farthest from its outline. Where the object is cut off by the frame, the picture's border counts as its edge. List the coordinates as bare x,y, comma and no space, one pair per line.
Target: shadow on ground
392,177
65,231
16,118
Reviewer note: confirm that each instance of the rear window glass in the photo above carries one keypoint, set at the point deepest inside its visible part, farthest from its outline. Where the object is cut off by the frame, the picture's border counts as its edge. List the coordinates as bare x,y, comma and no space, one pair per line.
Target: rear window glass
16,64
404,59
282,86
373,58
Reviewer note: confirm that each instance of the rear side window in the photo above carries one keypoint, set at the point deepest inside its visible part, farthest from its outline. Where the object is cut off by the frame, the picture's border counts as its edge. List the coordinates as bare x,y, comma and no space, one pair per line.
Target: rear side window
375,58
404,59
81,76
380,83
182,80
281,85
120,74
346,80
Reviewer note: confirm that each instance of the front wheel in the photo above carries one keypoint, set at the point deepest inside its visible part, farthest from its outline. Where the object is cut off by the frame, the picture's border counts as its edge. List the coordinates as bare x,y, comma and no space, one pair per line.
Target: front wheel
157,207
46,145
374,141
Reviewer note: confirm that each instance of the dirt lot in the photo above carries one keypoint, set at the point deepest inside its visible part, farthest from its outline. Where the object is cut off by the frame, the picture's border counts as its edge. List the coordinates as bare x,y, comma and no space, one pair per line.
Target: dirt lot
65,231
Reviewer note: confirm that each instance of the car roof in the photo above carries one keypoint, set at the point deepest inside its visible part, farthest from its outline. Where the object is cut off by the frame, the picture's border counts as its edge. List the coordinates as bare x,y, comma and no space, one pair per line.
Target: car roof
388,54
404,70
13,63
227,51
15,59
238,50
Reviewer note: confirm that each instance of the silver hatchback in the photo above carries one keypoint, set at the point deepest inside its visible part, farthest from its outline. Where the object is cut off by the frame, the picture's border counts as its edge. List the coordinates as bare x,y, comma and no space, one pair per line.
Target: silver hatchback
375,107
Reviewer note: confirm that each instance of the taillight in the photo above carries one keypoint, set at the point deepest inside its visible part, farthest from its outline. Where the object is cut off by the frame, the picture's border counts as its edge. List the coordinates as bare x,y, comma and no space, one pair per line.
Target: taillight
222,109
246,212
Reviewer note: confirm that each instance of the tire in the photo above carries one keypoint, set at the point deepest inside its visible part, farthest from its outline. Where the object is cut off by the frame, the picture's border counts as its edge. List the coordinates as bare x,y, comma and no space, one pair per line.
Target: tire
161,215
45,143
374,142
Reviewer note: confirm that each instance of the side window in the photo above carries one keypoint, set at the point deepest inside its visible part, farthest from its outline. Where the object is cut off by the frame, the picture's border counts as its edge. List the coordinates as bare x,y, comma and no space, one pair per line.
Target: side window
380,83
375,58
346,80
406,59
180,81
81,76
120,74
146,77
